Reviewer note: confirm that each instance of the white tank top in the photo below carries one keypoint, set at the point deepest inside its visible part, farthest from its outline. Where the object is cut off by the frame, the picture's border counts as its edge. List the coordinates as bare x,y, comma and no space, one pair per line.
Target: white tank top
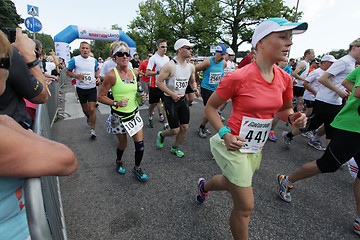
180,80
303,73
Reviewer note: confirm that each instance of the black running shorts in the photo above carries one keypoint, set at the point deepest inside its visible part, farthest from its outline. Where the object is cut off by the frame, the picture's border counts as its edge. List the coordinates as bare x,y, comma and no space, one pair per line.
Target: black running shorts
177,112
87,95
155,94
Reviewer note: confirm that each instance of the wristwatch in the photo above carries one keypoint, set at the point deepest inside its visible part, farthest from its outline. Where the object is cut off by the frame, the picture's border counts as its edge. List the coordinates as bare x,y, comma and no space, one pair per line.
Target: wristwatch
33,63
114,103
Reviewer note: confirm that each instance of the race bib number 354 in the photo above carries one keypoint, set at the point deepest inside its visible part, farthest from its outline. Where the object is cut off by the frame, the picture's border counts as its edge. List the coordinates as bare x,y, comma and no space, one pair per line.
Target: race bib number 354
255,131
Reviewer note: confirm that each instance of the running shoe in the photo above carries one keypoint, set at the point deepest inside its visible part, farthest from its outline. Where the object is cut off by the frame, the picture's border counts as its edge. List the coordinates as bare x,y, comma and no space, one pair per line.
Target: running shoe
207,131
161,118
357,226
140,175
150,123
166,127
92,133
287,140
201,194
272,136
308,134
222,118
317,145
160,140
96,104
120,168
176,151
88,120
284,189
202,132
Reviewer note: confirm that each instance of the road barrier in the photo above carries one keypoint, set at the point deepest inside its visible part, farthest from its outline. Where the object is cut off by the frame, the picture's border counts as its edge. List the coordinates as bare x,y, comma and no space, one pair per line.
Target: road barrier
42,195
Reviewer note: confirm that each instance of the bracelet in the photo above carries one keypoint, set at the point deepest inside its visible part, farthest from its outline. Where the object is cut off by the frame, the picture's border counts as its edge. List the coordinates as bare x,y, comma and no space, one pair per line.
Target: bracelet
33,63
289,119
223,131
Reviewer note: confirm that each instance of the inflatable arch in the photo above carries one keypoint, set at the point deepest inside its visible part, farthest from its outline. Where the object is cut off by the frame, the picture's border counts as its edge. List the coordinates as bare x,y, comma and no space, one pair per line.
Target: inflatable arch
72,32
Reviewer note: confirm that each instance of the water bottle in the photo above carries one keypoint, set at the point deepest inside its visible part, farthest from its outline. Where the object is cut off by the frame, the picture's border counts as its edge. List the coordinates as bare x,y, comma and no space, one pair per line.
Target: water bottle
140,93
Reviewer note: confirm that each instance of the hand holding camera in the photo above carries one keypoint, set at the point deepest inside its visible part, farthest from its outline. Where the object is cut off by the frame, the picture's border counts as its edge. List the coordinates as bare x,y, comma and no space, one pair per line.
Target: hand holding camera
25,46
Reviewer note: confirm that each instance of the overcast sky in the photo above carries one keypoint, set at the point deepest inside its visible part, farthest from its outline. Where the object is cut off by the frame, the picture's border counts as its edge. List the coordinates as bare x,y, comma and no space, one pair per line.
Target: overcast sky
332,23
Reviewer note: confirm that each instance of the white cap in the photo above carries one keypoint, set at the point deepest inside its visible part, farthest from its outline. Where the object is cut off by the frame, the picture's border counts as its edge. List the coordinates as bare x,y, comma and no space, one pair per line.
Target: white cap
181,43
328,58
276,25
230,51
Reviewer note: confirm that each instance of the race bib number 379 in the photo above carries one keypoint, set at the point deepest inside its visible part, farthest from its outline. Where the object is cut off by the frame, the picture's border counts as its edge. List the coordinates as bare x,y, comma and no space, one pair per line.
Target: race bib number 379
255,131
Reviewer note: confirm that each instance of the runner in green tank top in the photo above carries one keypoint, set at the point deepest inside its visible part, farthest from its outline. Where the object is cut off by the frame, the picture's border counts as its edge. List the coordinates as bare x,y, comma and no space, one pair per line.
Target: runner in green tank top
124,117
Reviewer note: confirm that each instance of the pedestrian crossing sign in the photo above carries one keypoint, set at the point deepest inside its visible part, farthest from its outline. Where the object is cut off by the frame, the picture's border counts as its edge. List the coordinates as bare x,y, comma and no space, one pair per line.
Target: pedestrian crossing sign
32,10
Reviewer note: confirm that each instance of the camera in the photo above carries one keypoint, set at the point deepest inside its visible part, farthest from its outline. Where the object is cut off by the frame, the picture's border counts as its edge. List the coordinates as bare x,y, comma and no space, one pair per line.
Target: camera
10,33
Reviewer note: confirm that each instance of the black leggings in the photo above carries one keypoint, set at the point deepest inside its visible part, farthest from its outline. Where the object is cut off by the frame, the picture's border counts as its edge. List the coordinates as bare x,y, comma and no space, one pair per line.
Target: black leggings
343,146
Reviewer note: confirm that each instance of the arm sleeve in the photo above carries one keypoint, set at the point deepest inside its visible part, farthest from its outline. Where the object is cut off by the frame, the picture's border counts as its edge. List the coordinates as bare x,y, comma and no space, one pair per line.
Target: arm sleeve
21,79
71,64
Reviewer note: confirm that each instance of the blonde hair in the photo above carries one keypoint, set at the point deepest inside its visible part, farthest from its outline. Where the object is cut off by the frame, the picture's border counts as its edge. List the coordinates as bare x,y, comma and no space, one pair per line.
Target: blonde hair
116,45
5,46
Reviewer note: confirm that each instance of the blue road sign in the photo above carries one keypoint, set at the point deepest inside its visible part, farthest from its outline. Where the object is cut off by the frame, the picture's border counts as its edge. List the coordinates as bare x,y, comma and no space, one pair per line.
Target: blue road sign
33,24
33,10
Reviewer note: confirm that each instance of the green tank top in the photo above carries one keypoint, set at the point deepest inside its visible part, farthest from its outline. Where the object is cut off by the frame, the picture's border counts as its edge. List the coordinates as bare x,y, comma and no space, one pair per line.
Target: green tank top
125,89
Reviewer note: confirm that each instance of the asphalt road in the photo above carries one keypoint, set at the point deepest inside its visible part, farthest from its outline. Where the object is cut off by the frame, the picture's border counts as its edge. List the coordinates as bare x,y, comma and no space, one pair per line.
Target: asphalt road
102,204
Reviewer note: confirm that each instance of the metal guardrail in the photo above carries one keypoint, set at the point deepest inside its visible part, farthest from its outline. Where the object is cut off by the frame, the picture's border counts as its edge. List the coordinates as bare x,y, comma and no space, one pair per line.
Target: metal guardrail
42,195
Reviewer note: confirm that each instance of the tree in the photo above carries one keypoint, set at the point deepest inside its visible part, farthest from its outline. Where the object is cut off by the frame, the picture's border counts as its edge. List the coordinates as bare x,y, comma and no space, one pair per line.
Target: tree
100,49
11,19
239,18
339,53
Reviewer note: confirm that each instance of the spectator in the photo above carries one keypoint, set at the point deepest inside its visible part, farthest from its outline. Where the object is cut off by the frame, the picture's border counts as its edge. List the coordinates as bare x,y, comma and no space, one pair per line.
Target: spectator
25,81
135,62
23,154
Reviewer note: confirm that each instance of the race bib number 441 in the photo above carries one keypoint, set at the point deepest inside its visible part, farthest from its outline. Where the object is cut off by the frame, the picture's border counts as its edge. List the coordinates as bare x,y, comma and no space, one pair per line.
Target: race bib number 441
215,78
255,131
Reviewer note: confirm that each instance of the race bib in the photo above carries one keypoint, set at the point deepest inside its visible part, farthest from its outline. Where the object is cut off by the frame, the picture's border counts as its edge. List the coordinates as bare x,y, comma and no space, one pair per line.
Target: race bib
134,125
255,131
215,78
87,78
180,84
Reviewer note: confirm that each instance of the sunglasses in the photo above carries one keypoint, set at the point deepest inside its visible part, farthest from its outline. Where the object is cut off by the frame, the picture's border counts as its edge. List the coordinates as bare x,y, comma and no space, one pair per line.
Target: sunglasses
188,48
163,46
149,55
5,62
121,54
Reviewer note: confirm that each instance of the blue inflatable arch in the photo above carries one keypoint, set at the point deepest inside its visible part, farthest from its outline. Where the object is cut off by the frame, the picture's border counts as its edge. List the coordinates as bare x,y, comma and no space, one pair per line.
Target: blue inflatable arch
72,32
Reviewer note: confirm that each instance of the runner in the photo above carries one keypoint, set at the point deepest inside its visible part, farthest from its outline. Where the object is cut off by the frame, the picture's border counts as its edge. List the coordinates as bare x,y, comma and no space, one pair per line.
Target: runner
145,81
267,90
300,73
86,73
173,81
213,70
329,98
344,145
124,116
156,62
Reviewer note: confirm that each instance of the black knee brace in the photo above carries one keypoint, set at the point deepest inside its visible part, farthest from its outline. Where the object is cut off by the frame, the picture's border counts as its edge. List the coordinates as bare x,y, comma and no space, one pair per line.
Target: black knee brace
139,152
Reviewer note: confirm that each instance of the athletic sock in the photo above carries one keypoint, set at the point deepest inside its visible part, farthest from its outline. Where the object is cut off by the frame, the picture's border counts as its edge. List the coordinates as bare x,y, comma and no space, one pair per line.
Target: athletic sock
201,126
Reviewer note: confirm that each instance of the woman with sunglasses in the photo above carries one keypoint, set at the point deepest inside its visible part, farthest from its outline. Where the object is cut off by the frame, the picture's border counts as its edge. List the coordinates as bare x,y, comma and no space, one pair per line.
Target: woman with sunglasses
258,91
124,117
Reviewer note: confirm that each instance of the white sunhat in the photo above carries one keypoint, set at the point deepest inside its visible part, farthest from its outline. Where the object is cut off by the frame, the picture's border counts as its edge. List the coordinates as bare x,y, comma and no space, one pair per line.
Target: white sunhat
276,25
181,43
328,58
230,51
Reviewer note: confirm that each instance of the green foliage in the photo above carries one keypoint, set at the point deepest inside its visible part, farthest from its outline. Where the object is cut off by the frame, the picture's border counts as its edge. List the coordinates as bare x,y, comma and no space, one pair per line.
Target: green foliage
45,39
339,53
75,52
9,17
240,17
100,49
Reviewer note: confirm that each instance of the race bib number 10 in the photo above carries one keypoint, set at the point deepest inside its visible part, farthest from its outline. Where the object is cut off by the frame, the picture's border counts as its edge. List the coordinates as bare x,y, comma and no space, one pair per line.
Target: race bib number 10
255,131
134,125
215,78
